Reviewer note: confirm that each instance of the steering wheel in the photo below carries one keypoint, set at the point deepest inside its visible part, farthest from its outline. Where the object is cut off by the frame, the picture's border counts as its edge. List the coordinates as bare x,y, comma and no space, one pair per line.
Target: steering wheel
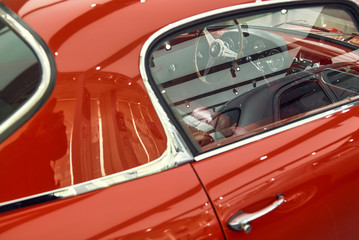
215,51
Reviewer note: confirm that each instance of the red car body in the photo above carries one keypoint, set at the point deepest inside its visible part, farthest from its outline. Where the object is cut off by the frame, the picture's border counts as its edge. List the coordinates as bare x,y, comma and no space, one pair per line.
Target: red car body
59,169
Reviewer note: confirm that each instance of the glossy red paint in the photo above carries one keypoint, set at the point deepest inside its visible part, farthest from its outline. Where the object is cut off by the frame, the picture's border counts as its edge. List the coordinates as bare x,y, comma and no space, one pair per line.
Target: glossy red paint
316,169
168,205
99,119
89,129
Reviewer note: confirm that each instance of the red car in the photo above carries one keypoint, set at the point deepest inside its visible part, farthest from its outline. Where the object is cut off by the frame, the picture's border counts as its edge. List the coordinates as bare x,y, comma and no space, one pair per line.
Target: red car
151,119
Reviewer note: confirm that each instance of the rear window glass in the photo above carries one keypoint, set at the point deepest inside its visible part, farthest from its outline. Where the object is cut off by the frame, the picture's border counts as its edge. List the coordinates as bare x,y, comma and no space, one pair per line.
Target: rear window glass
20,72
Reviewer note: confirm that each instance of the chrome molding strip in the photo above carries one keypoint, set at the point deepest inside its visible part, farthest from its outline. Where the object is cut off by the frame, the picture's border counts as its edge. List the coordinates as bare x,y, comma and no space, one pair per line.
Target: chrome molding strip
283,128
46,72
155,166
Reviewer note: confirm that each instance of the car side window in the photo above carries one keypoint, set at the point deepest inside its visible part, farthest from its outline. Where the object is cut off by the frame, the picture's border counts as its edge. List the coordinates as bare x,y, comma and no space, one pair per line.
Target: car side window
20,72
230,79
26,73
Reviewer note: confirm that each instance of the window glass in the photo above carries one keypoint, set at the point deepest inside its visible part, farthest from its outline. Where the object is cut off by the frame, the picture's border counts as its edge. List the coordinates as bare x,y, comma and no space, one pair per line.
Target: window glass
240,76
302,98
20,72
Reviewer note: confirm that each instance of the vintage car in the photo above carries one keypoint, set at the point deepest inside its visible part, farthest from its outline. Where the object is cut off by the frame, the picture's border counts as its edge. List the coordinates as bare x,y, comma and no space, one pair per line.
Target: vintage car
149,119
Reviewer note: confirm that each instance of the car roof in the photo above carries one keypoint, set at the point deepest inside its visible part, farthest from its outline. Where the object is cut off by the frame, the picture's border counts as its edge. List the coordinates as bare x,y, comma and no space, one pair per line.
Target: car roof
106,27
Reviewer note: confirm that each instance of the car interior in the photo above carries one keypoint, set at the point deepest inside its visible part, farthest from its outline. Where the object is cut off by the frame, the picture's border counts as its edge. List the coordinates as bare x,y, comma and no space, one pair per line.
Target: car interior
243,76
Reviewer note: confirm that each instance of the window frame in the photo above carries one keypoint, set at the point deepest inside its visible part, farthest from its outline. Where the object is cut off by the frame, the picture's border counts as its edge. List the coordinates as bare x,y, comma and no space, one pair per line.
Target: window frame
167,116
48,72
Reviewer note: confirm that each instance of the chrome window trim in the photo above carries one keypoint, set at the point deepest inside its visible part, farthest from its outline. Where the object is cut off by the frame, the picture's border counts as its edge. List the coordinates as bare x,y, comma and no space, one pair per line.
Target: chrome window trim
158,165
162,113
175,154
46,78
283,128
183,154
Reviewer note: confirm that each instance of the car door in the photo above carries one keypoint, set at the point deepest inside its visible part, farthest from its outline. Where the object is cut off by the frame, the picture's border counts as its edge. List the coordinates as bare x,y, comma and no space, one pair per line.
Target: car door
279,183
313,167
168,205
266,96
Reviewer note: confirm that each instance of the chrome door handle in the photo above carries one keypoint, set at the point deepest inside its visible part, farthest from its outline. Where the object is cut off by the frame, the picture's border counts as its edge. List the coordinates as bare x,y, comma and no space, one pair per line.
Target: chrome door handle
241,221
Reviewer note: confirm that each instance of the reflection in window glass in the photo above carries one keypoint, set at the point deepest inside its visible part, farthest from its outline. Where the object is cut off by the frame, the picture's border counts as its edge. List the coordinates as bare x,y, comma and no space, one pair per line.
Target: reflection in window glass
231,79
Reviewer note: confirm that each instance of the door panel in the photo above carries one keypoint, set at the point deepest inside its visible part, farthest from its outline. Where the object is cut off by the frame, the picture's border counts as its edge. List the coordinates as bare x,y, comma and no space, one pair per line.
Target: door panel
167,205
315,166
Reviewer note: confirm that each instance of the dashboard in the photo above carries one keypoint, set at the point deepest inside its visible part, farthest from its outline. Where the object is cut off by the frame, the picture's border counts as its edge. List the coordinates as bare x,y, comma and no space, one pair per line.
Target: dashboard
266,49
237,61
